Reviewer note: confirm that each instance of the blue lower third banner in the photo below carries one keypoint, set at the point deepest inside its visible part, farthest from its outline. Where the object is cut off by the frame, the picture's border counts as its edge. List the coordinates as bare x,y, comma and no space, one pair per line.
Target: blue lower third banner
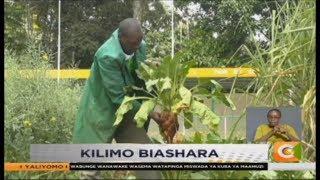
169,166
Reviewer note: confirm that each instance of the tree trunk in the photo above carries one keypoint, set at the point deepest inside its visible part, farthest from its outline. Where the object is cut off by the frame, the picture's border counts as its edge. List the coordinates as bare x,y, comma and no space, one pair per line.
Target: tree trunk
29,21
137,9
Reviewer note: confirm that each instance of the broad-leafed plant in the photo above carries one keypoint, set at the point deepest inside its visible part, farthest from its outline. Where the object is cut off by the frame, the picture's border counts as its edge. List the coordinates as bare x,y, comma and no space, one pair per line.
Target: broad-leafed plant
165,88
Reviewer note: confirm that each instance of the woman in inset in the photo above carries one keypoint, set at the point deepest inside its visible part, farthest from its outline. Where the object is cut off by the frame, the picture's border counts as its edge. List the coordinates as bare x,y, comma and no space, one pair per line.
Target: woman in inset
274,131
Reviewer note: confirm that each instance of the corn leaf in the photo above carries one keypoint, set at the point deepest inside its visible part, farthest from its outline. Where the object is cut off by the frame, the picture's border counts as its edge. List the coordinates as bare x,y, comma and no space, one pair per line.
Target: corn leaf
207,116
217,86
224,99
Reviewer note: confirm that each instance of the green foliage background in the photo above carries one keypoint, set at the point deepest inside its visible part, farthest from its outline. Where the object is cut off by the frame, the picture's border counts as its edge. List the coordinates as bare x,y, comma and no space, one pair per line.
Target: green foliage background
86,24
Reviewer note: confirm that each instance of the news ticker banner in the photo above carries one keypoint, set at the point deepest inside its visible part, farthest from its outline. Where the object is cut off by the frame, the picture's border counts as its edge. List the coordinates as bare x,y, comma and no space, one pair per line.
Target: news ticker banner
149,153
62,157
158,166
132,166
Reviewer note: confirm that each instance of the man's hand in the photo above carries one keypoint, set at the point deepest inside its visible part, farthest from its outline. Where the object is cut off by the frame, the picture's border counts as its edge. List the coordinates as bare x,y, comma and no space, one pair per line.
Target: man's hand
155,116
283,130
275,129
280,130
168,123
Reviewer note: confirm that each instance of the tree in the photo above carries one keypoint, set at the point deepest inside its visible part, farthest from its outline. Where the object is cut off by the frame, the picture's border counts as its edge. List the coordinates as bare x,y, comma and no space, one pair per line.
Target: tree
15,32
221,27
85,25
211,35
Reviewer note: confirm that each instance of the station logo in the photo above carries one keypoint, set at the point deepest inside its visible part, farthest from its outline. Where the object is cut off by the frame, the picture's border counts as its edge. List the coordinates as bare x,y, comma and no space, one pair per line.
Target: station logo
287,151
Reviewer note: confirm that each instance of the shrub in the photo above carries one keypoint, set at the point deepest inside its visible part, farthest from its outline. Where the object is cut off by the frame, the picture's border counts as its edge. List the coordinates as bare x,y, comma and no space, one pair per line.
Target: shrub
38,110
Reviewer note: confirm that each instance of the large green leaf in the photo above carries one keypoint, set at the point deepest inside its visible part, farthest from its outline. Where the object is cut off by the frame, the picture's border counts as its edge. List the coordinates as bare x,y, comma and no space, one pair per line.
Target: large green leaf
213,137
165,84
188,119
198,138
156,141
151,83
142,115
125,106
203,91
145,72
207,117
186,97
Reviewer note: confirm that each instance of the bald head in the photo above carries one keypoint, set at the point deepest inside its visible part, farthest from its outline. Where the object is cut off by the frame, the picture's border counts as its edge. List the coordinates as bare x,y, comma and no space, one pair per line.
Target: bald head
130,35
130,27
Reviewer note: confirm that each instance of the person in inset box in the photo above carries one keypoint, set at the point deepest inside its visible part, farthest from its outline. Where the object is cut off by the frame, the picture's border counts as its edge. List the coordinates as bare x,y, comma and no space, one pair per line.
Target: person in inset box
274,131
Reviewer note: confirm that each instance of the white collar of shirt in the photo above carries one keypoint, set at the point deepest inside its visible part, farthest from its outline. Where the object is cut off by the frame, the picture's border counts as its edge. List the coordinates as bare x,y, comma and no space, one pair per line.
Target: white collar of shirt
128,56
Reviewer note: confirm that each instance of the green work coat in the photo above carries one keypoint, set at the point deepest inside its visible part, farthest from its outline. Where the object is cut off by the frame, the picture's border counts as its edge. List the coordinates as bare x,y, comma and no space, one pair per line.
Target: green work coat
104,91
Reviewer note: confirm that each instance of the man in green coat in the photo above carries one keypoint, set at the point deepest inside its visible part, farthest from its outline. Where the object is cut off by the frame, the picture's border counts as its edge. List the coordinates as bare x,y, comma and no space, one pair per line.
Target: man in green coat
113,69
